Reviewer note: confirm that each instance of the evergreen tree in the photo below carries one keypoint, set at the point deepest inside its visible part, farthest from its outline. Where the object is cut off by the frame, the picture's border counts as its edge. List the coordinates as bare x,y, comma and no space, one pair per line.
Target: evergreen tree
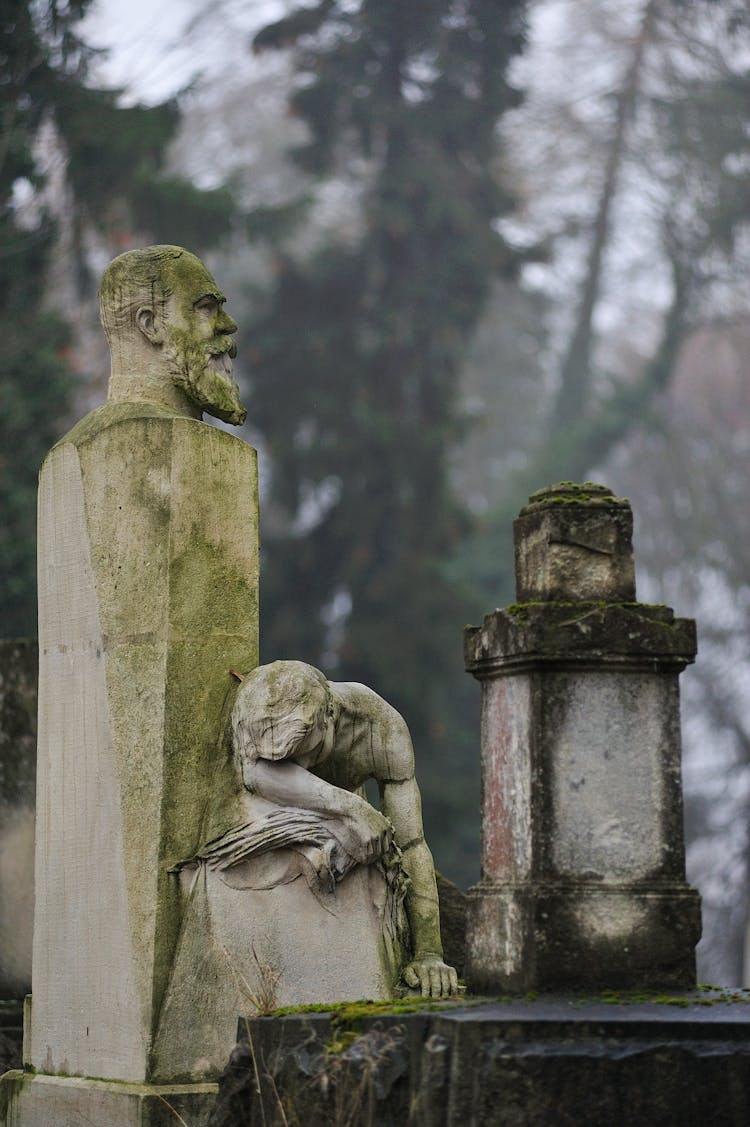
355,363
115,159
35,382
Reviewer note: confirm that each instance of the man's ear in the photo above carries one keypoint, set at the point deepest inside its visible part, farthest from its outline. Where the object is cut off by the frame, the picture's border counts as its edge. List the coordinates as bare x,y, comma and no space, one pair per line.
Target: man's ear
149,324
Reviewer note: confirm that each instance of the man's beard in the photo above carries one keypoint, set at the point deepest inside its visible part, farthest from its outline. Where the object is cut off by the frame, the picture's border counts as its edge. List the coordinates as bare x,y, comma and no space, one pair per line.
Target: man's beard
203,370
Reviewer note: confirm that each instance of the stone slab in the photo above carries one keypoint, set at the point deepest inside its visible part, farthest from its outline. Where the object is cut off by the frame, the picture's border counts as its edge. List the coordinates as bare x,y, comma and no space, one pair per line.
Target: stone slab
35,1100
562,1062
542,936
527,635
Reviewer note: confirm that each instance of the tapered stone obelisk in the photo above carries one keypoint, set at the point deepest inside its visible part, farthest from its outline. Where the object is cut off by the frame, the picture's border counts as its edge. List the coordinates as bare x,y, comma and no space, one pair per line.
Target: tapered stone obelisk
583,860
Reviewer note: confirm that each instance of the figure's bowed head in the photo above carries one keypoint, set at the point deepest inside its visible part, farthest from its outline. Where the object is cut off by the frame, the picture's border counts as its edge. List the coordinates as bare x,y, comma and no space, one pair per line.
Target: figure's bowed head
169,334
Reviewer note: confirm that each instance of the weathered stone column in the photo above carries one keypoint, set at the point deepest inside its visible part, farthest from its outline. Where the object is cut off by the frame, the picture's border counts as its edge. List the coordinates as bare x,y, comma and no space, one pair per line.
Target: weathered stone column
583,868
148,596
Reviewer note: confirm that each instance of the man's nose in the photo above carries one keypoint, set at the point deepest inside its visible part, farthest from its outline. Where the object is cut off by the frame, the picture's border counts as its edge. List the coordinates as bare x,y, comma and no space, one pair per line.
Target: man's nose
226,324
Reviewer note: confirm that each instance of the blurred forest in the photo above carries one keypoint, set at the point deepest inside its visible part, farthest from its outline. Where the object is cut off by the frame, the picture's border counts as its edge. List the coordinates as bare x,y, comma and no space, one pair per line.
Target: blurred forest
474,247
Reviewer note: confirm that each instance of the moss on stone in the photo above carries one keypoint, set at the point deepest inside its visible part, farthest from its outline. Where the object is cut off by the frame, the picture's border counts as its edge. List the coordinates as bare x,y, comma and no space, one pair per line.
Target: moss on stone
586,493
703,995
110,414
347,1013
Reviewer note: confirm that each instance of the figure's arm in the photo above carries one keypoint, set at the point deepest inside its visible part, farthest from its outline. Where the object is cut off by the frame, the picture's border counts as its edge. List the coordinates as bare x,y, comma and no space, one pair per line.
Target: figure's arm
402,804
288,784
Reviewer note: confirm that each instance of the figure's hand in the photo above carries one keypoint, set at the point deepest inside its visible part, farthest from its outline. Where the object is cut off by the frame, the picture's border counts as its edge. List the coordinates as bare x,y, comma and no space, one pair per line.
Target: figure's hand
372,834
432,976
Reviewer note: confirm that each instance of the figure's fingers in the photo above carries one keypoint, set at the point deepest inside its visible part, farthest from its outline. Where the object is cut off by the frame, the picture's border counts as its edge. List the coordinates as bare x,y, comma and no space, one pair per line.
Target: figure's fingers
445,982
435,985
410,977
453,979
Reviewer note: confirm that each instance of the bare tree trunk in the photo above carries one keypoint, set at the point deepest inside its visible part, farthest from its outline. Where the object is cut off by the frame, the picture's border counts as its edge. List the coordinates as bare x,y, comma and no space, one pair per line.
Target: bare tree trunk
575,372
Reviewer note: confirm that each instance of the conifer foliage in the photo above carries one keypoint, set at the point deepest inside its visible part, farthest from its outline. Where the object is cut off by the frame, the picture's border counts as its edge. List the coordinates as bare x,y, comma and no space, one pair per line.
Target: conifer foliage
34,381
114,168
355,363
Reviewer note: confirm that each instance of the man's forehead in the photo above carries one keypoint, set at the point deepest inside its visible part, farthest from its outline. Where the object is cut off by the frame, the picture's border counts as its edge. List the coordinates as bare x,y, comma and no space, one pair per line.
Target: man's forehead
192,280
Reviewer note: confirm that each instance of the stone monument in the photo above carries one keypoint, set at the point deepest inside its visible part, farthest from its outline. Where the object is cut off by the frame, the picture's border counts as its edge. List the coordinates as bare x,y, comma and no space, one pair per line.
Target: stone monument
583,860
190,863
307,893
148,595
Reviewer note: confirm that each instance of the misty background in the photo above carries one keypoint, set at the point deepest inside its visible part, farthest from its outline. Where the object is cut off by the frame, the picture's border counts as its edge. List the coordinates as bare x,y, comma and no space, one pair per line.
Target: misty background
474,247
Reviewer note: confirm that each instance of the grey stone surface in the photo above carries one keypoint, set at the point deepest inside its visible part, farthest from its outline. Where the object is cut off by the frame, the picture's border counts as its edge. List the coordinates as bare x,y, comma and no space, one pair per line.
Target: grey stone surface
574,542
35,1100
583,867
511,1064
244,949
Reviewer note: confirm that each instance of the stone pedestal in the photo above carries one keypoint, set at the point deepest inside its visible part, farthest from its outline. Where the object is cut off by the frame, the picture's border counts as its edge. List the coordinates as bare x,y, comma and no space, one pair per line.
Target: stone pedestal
583,874
571,1061
248,944
148,589
28,1100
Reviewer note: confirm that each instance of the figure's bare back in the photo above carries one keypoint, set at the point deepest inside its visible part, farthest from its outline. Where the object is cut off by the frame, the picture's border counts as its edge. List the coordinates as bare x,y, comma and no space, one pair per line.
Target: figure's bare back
371,742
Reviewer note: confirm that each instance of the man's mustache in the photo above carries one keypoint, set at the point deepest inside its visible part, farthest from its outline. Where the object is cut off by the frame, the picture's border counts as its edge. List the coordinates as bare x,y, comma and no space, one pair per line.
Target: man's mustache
221,345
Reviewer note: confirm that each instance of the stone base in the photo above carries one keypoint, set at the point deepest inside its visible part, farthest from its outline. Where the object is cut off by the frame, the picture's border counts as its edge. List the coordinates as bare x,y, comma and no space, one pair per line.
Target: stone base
557,937
36,1100
548,1063
255,948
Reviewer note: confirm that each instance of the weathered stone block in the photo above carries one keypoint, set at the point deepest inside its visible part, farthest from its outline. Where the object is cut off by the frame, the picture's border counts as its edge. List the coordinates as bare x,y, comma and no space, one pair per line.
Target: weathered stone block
583,866
245,948
515,1064
148,597
574,542
547,936
72,1101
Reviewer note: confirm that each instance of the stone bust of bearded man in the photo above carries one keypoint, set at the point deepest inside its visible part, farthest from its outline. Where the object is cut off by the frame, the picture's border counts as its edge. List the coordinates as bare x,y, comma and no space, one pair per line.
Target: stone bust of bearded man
169,334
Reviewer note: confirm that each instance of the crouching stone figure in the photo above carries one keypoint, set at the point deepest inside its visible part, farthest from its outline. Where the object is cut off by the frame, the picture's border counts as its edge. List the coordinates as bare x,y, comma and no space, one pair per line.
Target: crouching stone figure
308,744
310,894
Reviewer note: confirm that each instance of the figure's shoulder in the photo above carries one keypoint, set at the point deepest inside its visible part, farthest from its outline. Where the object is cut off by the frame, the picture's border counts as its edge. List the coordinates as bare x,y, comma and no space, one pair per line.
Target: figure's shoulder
353,695
109,415
359,700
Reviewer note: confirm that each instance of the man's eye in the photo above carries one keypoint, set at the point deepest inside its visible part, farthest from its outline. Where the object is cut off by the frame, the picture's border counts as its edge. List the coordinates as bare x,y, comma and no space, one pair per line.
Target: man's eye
206,305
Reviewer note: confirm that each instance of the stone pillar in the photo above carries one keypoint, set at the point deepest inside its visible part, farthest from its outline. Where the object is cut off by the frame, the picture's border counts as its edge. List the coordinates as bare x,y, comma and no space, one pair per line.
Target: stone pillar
148,596
583,866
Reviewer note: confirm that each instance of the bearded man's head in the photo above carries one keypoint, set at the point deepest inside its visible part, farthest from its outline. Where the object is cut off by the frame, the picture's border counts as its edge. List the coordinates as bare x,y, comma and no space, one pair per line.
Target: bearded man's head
168,296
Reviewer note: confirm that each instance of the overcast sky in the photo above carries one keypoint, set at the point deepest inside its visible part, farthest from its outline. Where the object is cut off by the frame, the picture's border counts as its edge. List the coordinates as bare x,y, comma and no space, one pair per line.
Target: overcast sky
155,47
